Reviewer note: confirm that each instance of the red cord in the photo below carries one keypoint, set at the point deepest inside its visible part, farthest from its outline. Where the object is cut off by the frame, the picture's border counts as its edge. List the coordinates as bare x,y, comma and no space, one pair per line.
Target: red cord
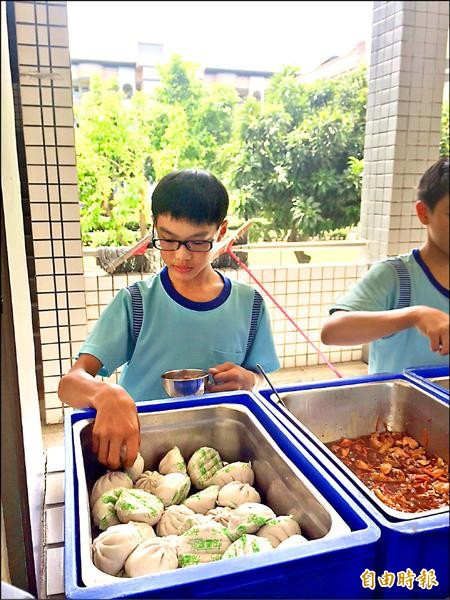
242,265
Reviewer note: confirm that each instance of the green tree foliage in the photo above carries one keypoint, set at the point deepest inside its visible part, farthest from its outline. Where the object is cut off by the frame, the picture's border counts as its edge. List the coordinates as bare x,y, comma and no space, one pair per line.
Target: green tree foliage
112,145
192,124
125,145
296,153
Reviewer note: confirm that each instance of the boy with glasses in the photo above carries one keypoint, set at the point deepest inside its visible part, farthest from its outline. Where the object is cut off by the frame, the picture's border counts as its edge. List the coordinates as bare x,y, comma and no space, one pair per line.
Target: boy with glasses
186,316
401,305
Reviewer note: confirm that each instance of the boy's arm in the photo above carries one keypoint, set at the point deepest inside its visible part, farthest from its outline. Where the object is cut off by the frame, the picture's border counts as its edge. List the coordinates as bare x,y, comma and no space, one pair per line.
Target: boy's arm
346,328
116,423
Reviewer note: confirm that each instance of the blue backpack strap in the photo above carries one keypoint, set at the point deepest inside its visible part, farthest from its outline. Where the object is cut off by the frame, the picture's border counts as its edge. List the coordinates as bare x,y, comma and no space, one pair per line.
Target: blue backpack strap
256,311
404,296
137,310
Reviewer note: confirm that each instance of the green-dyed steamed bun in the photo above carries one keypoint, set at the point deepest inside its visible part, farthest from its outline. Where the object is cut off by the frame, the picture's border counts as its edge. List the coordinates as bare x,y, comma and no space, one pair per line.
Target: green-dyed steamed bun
202,543
247,544
204,500
202,466
279,529
138,505
103,512
248,518
236,471
109,481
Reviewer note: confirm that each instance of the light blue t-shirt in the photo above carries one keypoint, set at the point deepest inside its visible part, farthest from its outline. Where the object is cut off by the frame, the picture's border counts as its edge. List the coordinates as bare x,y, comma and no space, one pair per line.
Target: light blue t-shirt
177,333
379,290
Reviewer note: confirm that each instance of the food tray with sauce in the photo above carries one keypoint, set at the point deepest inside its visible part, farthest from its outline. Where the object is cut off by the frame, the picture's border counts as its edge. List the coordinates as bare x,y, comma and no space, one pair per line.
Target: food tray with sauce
329,414
289,480
406,543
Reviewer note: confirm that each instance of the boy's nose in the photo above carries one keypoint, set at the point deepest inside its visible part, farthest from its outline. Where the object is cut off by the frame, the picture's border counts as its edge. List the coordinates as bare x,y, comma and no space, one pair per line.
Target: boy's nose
183,251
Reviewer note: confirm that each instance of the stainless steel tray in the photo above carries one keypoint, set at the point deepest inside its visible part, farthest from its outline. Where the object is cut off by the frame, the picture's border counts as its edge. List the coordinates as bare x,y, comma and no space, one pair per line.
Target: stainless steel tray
237,435
353,410
441,382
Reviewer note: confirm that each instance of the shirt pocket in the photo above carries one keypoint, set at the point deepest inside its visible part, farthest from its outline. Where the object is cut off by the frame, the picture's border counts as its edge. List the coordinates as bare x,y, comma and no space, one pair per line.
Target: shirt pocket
221,356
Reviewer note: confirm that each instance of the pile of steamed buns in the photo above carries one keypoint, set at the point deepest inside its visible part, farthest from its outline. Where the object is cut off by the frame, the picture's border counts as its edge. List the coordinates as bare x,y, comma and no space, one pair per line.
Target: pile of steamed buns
150,523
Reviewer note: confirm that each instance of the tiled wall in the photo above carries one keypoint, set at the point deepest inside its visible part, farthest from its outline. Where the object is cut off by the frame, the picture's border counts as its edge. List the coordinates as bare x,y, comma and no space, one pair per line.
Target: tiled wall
406,79
46,103
305,292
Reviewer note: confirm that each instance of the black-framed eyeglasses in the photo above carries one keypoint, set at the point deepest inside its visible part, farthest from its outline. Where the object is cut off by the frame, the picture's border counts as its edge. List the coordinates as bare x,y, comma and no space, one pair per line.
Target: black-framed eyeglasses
173,245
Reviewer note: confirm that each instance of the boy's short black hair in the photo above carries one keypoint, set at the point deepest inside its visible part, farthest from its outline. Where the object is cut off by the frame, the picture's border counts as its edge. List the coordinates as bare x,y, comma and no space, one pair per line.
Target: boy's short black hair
433,184
191,194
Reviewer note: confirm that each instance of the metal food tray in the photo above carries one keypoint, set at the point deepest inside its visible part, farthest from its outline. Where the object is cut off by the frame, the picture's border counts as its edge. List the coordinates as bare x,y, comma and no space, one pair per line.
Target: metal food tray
237,435
328,414
442,382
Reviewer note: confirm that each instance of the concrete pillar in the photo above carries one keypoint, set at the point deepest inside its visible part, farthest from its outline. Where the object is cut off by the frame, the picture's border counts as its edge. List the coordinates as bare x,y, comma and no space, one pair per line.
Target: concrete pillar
406,80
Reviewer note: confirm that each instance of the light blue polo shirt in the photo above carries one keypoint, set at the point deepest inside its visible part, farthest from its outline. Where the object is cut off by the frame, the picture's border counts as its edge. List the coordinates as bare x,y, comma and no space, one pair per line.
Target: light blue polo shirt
177,333
379,290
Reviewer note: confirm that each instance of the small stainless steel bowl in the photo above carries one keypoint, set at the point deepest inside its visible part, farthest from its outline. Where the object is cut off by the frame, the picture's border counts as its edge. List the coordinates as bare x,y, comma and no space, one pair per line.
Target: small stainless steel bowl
184,382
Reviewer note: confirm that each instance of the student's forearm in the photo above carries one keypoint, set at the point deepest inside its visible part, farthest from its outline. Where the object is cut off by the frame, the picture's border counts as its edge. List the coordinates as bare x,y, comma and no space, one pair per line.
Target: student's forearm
345,328
79,389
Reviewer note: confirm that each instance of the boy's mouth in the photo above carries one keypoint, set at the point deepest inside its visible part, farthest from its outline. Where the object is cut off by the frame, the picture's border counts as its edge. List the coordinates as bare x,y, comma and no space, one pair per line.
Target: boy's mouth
181,268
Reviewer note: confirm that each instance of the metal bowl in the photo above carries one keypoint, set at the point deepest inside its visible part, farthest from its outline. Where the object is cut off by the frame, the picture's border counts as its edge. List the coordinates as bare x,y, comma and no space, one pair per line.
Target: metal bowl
184,382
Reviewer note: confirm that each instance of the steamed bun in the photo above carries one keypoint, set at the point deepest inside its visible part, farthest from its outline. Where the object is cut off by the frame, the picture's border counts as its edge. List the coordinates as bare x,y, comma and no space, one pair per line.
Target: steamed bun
109,481
173,519
236,471
220,514
235,493
204,500
112,547
152,556
247,544
294,540
136,469
172,462
248,518
172,488
148,481
279,529
103,512
139,505
202,466
202,543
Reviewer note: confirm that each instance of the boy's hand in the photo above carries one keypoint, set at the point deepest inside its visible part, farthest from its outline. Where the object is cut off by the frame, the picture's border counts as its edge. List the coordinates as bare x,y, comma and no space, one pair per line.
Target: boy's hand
116,425
434,324
229,377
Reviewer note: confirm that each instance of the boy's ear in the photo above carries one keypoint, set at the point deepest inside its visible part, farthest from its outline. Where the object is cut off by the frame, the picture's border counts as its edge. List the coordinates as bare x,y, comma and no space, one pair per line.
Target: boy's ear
222,229
422,212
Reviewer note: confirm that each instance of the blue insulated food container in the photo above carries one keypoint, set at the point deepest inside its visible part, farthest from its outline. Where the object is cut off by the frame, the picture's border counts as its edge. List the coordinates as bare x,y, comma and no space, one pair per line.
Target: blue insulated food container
435,379
342,539
413,551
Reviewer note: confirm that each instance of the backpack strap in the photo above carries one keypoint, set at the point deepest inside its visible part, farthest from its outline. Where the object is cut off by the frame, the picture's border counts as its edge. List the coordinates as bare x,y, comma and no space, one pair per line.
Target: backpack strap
404,296
256,311
138,314
136,309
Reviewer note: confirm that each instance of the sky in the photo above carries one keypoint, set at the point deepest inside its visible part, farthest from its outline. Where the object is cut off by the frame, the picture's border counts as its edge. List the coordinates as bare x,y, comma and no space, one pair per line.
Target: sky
261,35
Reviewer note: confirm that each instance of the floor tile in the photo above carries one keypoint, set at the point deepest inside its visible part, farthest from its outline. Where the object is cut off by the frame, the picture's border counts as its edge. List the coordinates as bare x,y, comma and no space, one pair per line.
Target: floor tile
54,492
55,459
55,573
54,524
